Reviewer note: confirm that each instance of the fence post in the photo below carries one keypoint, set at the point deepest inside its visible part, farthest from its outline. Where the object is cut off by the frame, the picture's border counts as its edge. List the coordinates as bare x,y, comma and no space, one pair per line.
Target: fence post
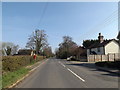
88,58
94,58
101,57
114,56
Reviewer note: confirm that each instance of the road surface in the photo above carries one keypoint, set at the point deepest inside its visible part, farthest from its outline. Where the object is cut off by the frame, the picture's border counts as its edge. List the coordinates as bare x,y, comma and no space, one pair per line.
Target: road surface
57,73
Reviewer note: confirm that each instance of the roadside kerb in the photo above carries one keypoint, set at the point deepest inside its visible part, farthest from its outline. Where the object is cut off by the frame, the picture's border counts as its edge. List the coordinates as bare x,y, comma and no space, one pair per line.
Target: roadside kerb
108,70
100,68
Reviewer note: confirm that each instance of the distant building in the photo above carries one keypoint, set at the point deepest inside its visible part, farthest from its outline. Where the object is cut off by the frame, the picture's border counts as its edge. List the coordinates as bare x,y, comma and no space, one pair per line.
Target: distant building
25,52
103,47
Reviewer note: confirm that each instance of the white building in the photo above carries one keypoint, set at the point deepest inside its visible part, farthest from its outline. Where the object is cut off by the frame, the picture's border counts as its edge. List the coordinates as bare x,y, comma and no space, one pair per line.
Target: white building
103,47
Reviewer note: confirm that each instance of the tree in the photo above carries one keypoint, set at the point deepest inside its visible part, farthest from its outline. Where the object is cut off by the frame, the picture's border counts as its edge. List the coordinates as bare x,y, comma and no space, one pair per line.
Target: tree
66,48
87,43
80,52
37,40
9,48
14,49
47,51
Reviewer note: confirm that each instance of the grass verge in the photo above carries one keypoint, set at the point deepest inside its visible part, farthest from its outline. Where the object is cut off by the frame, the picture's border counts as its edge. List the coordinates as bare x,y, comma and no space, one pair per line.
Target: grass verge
12,77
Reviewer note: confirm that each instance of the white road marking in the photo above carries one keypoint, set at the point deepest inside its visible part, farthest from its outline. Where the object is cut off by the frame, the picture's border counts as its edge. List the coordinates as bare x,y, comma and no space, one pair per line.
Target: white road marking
62,64
35,68
72,72
75,75
26,75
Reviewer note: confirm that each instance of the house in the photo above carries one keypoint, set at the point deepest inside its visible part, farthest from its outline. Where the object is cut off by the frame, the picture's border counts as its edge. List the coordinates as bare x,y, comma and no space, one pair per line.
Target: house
118,35
25,52
103,47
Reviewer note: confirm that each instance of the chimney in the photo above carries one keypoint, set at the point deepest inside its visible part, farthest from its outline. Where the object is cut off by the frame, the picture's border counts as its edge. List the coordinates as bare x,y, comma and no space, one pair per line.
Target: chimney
100,38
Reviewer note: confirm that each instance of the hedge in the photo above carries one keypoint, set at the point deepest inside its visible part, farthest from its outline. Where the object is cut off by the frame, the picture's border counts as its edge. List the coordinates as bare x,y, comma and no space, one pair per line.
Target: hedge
12,63
109,64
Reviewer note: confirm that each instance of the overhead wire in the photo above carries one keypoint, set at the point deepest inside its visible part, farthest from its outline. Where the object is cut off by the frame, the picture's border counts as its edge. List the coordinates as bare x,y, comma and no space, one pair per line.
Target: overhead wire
42,15
110,19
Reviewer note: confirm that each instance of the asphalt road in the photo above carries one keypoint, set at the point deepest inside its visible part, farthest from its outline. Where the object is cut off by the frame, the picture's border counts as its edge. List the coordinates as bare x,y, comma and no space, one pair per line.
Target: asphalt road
56,73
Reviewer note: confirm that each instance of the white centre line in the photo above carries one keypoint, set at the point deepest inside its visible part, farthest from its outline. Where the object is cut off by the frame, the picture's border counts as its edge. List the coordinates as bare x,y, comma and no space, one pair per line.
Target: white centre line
72,72
62,64
75,75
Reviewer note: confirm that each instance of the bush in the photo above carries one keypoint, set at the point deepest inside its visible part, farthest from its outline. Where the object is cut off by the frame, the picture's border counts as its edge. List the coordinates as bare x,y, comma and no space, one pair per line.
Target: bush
109,64
12,63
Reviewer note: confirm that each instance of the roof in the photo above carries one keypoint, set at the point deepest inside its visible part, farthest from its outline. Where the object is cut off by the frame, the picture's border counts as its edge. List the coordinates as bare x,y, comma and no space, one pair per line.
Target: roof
24,52
97,44
118,35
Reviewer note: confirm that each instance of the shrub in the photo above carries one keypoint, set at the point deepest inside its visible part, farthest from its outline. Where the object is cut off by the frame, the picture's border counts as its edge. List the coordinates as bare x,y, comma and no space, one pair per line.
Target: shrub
109,64
12,63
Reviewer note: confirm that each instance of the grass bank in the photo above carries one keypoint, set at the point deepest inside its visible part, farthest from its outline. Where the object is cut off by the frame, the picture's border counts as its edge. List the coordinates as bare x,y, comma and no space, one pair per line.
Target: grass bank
11,77
14,68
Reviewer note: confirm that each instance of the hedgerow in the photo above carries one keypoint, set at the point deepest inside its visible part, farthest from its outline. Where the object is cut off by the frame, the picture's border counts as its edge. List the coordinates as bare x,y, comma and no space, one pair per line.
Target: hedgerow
109,64
12,63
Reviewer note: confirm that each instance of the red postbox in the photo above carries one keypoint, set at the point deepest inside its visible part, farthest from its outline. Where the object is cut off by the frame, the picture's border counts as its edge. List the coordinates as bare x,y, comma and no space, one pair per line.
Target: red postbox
34,56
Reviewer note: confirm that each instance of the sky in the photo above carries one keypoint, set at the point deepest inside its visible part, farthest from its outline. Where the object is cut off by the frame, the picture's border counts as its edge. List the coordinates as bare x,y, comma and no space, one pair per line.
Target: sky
80,20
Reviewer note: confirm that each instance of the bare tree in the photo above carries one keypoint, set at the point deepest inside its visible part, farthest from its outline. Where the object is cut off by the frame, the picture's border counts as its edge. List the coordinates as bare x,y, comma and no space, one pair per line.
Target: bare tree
47,51
9,48
31,42
37,40
14,49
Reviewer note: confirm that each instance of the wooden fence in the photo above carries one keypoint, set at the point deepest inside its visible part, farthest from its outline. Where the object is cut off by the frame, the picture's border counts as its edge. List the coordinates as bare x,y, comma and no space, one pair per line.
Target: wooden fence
109,57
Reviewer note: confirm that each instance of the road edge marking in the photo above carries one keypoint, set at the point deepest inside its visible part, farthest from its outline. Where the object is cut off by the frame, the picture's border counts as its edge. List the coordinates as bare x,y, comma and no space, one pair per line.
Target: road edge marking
30,72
